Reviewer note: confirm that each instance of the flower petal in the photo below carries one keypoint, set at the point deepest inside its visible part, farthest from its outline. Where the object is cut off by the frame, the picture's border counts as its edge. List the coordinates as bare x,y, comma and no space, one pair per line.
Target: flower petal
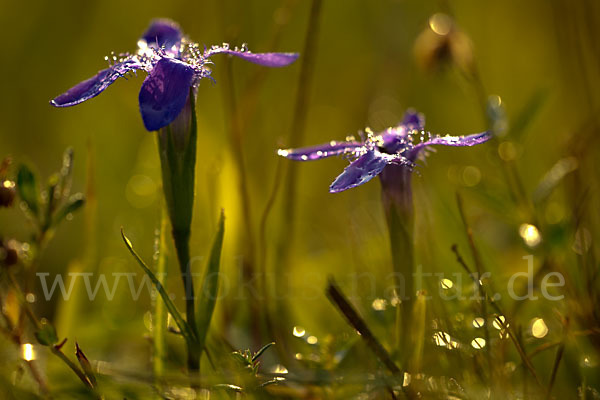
330,149
95,85
266,59
414,119
360,171
164,92
162,33
469,140
457,141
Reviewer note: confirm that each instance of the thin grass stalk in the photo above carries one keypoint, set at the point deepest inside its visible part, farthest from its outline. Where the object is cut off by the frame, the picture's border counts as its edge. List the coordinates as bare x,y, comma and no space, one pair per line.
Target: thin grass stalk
159,321
296,137
237,142
557,360
288,177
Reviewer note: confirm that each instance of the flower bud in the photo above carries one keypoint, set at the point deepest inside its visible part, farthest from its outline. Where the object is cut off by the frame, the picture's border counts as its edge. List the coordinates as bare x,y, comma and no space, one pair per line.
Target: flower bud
8,253
7,193
443,43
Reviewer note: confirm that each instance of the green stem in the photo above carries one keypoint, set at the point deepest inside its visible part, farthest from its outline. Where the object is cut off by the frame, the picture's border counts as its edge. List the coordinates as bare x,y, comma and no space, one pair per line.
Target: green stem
182,246
400,228
396,196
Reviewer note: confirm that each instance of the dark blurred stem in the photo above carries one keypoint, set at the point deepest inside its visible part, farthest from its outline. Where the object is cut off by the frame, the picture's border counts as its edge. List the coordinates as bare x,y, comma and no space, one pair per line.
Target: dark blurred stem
477,280
557,360
57,352
54,349
338,299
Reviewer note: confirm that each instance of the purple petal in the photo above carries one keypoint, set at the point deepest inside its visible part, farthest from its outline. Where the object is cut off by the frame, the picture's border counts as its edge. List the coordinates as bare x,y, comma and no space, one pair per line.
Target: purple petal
330,149
414,119
457,141
360,171
164,92
163,33
469,140
266,59
95,85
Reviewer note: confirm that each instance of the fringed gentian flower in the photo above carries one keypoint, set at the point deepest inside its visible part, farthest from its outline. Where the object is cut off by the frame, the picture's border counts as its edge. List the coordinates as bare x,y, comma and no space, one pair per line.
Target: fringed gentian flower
391,155
399,146
174,65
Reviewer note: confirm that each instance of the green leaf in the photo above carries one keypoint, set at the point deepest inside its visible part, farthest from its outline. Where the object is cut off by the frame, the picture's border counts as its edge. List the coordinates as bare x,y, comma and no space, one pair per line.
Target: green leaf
46,335
209,290
74,203
261,351
181,324
28,189
521,121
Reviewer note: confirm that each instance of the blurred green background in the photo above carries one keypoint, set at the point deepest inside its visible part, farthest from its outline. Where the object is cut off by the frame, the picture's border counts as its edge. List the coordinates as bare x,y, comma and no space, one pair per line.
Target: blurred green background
541,57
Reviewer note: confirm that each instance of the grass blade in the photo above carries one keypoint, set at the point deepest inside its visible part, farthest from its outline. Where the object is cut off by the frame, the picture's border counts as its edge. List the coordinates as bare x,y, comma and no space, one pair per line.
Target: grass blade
209,291
183,326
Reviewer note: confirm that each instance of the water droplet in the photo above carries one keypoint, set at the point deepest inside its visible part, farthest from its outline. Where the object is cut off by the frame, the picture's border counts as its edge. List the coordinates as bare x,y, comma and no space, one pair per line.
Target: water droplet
298,331
530,234
279,369
28,352
499,322
446,284
441,339
406,380
312,340
478,343
539,328
478,322
379,304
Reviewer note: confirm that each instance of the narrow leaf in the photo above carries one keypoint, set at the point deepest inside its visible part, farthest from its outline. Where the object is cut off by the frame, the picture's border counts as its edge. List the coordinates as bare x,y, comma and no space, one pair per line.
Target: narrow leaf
74,203
85,365
210,285
181,324
261,351
28,189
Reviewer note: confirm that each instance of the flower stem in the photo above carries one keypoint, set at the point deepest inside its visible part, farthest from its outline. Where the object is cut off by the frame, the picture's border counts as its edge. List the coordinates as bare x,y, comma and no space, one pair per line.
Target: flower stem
182,246
399,211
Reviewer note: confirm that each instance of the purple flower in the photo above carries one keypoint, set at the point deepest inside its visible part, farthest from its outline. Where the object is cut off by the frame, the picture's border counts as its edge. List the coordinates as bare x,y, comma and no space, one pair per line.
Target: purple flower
174,65
395,147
